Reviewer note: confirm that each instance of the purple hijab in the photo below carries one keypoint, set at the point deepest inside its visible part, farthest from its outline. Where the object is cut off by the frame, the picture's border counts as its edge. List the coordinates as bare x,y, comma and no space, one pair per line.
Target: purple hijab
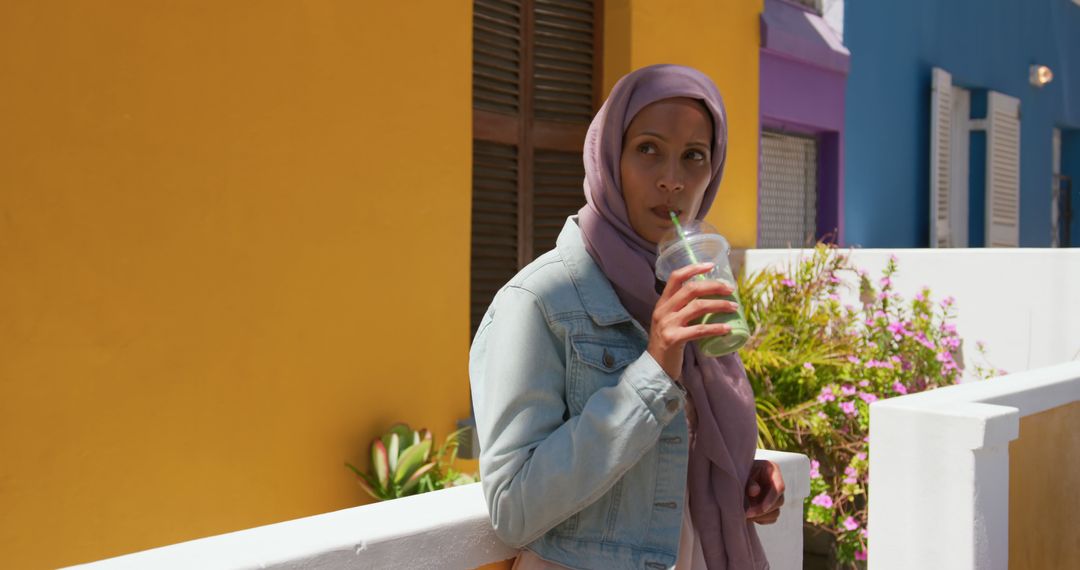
721,403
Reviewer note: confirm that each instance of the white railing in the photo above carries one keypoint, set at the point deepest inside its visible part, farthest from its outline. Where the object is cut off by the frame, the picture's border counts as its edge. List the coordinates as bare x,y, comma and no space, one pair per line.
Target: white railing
939,468
445,529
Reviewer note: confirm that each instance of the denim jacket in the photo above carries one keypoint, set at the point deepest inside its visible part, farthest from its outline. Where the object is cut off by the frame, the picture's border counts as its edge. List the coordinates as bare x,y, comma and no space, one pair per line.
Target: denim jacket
582,435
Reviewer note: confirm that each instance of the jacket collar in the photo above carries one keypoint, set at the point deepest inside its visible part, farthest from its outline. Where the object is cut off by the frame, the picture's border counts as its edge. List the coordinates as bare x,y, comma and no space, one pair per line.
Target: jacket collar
597,295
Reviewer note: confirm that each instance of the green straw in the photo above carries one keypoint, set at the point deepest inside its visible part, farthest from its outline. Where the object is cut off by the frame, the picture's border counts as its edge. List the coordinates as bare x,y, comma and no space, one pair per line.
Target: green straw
686,244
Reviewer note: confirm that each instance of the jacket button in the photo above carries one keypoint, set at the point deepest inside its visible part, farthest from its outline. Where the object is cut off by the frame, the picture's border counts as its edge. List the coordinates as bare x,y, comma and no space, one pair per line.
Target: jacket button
609,360
672,405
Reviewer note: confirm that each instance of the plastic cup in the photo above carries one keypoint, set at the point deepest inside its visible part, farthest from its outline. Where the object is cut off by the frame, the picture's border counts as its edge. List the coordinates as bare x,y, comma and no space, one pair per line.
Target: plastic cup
701,243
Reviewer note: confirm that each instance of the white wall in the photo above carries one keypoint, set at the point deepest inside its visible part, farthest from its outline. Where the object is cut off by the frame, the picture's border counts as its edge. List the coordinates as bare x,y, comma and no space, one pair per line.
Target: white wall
939,468
1024,303
444,530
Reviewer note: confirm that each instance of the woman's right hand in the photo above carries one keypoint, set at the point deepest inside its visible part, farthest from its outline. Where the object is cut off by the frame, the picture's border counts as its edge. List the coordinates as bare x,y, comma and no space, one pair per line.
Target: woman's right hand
681,302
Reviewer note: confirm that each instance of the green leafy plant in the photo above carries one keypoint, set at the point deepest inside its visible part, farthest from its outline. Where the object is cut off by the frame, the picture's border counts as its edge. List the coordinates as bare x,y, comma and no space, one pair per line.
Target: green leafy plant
816,365
403,464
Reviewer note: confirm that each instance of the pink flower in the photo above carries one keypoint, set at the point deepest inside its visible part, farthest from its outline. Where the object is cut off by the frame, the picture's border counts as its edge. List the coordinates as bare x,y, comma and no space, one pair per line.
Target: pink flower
893,258
826,395
850,523
848,408
948,327
897,329
808,366
921,296
823,415
944,357
895,359
852,359
885,281
879,314
860,555
850,471
864,383
814,465
899,388
788,283
834,297
863,534
847,390
868,398
882,296
861,456
948,301
834,279
822,500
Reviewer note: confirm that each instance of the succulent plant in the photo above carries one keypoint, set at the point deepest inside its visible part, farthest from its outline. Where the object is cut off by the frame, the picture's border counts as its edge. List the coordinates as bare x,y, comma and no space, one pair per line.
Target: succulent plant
402,464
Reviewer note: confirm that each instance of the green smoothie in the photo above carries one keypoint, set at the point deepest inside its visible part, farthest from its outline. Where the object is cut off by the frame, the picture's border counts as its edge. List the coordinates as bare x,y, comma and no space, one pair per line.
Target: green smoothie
692,244
728,343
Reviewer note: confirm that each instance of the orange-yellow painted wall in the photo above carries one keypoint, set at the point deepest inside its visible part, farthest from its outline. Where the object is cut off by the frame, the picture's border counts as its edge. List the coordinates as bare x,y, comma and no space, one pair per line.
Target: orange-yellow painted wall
1044,508
234,244
722,39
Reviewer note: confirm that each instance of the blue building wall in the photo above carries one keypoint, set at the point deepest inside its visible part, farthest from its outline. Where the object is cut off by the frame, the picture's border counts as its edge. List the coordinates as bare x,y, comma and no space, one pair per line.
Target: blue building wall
984,44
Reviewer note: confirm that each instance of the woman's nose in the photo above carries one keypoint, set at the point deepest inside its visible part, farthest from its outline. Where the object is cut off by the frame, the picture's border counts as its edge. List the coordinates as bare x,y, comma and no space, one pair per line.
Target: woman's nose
669,180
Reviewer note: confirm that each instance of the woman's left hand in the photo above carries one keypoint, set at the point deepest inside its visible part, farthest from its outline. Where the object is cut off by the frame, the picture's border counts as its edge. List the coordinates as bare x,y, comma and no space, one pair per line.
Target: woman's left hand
764,492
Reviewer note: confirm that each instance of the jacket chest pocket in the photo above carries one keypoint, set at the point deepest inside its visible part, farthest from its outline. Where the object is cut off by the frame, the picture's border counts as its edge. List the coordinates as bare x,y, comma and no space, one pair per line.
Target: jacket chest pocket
596,363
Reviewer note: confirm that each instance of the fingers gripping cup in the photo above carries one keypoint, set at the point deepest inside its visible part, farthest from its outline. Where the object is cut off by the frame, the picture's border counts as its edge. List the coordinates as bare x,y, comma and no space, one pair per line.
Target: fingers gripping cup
699,242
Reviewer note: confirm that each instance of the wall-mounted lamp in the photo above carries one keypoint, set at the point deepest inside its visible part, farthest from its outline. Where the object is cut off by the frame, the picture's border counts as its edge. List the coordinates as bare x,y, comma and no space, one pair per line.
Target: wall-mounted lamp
1040,75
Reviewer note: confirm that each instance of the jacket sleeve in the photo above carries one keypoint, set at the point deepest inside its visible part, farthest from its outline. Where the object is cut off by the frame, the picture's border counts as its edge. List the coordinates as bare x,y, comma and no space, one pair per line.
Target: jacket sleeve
537,467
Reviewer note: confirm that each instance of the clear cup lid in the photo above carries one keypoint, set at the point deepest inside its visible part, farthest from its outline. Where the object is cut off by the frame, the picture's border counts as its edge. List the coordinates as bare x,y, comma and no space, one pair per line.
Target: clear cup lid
702,243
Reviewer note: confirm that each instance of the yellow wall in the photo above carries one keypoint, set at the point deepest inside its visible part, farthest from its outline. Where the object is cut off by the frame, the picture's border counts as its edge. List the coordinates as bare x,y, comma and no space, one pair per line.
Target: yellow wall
722,39
209,293
1044,507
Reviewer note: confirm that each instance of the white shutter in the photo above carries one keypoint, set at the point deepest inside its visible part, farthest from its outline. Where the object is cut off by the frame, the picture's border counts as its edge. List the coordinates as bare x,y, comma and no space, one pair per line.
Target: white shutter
940,147
1002,170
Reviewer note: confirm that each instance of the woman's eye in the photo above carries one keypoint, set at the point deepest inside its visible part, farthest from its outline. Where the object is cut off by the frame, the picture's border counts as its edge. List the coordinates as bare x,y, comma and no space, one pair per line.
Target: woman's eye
647,148
695,155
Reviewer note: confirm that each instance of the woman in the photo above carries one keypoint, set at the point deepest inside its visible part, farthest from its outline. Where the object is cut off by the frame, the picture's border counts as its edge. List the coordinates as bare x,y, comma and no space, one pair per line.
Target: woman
606,444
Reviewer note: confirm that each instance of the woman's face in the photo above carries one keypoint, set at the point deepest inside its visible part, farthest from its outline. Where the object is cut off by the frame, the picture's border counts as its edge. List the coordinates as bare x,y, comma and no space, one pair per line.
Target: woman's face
666,164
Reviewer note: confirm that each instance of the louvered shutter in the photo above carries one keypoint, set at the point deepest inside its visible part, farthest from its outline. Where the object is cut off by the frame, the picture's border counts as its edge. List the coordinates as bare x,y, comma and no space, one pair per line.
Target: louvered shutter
495,221
535,88
563,60
940,163
557,193
1002,170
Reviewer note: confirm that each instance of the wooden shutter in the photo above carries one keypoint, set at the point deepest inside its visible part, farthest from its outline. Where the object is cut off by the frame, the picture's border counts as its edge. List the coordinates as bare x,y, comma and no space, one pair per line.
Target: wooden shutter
536,85
494,223
940,163
1002,170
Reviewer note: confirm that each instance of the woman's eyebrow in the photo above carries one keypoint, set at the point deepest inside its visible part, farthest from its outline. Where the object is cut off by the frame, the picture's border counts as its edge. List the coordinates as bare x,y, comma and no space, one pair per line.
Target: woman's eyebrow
651,134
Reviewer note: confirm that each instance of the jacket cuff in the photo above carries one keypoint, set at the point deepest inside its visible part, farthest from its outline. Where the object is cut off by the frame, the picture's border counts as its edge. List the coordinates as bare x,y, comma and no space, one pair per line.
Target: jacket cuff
663,396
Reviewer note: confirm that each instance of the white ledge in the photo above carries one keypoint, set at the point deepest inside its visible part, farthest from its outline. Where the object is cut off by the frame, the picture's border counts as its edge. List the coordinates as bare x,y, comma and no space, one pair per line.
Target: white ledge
447,529
939,468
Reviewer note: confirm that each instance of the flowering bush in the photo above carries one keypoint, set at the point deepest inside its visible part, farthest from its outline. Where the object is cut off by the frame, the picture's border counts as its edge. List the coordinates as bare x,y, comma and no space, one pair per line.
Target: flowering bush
817,364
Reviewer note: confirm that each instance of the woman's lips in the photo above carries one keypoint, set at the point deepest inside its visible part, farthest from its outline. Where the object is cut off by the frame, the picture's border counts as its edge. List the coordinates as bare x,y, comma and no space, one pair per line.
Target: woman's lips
664,212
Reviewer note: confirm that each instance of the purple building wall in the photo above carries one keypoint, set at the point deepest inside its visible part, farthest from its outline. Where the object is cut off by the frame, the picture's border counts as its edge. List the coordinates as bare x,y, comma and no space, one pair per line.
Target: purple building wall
803,73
